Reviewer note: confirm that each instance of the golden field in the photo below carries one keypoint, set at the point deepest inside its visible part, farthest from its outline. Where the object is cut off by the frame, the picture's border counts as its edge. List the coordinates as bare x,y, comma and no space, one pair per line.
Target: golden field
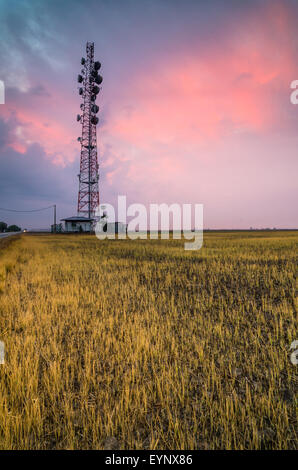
140,344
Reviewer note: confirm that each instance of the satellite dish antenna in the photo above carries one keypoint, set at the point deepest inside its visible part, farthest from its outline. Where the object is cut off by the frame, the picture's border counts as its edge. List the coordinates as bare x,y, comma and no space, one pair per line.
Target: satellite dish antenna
95,90
94,120
95,108
98,79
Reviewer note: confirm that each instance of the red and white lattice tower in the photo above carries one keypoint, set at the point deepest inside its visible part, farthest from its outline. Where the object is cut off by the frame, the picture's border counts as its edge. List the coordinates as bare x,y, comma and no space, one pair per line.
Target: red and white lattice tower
89,79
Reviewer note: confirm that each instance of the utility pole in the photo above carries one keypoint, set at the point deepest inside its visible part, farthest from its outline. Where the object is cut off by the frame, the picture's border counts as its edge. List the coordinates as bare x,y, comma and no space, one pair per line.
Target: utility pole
55,226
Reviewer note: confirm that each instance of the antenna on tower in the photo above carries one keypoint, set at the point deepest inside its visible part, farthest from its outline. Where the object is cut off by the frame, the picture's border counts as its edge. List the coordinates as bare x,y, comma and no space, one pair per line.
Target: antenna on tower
89,80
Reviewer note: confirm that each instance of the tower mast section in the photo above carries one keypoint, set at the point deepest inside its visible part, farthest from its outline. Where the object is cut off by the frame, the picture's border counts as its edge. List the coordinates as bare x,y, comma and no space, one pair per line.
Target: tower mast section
89,80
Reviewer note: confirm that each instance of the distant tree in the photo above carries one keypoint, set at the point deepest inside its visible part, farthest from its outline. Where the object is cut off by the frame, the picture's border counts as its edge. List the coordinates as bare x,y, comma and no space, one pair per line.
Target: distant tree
3,226
13,228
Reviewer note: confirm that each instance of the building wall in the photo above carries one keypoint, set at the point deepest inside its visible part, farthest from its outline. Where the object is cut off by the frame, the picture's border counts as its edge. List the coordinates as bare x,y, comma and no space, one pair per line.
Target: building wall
76,228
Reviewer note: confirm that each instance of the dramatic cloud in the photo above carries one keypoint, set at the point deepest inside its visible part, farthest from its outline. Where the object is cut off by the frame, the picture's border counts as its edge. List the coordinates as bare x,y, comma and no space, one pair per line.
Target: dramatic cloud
194,107
29,180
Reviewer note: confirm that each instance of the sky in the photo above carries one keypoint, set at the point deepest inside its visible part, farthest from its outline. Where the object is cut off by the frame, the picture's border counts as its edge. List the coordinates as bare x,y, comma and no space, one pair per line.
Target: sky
194,106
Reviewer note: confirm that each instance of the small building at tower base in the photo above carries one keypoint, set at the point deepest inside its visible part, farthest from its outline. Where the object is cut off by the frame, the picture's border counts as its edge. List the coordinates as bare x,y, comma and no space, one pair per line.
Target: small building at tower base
78,224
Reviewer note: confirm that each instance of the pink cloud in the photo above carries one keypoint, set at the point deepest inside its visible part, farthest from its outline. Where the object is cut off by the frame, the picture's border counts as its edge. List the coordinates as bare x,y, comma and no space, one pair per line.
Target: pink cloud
232,86
48,120
205,124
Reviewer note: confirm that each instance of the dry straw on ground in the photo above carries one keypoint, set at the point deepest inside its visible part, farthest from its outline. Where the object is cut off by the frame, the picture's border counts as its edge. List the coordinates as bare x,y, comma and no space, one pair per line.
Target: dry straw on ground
140,344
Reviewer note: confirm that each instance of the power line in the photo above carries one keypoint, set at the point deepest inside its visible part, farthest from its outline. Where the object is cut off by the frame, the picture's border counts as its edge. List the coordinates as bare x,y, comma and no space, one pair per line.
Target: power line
53,206
33,210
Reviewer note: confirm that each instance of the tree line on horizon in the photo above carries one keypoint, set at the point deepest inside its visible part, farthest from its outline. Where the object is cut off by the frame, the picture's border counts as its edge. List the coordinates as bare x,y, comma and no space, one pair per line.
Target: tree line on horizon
9,228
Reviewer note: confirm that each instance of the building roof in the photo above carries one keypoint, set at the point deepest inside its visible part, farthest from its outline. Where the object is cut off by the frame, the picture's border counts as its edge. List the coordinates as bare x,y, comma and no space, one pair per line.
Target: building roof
78,219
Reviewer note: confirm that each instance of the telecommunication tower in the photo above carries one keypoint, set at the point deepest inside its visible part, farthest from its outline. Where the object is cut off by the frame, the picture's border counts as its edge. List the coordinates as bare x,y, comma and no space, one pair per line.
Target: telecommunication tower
89,80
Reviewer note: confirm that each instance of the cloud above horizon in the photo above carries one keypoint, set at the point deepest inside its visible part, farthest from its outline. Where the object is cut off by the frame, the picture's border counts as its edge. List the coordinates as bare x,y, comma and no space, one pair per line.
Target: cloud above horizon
195,104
